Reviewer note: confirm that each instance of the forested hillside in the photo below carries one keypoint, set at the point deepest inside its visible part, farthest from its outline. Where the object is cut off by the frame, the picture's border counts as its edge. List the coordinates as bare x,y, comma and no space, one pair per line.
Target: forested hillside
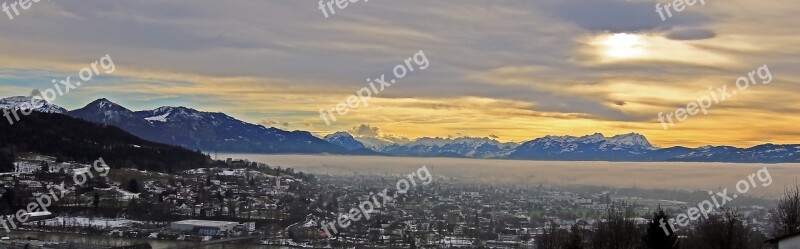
71,139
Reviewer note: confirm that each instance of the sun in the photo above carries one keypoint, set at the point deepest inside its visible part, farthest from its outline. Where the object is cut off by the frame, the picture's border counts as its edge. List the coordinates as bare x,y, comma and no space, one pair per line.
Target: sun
623,46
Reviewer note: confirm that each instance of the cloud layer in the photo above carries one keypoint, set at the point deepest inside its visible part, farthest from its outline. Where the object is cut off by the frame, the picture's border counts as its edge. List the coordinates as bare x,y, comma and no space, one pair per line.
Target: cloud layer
514,70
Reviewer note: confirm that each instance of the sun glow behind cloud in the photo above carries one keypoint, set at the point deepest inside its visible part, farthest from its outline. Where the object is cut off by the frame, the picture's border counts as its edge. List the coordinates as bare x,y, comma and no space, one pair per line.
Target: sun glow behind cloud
623,46
611,48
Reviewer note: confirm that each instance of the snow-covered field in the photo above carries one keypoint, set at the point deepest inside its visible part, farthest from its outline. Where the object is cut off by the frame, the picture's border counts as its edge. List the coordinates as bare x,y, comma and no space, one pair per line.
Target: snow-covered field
30,163
89,222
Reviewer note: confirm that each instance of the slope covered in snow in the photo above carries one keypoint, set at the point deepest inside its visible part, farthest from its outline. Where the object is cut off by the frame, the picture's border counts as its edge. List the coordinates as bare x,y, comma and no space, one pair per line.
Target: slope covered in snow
25,103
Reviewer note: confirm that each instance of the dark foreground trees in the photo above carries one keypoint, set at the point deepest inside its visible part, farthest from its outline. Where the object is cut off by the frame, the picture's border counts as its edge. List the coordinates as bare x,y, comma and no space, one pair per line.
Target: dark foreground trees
727,230
553,237
619,230
786,216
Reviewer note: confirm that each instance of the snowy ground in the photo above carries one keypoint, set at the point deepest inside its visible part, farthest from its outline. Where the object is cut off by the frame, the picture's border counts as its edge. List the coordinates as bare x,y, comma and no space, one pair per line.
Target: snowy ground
87,222
127,195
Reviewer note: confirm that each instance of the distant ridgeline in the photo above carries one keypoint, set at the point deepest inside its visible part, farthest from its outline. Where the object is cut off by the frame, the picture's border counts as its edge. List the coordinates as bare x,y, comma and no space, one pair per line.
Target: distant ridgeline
71,139
216,131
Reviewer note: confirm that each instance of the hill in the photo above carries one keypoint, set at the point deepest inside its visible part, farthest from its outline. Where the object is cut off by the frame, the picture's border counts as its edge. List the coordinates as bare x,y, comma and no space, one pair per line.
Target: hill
71,139
207,131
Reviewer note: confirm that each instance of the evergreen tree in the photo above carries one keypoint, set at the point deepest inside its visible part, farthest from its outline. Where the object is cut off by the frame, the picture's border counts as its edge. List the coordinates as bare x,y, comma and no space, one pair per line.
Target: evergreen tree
96,200
45,167
8,199
656,237
133,186
6,161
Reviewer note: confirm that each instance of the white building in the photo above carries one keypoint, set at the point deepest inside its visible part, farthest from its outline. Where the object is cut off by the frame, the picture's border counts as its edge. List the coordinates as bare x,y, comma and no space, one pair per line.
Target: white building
789,241
250,226
26,167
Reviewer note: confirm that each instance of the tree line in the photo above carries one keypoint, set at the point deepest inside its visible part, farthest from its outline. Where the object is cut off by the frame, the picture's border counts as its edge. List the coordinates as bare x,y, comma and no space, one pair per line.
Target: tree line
728,229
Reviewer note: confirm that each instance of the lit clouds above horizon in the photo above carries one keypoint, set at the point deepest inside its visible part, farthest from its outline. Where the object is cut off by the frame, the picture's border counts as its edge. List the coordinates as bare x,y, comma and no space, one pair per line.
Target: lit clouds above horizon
514,70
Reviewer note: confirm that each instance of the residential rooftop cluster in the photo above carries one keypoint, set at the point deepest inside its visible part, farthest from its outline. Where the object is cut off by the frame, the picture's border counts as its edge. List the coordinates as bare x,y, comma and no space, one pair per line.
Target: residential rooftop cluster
268,205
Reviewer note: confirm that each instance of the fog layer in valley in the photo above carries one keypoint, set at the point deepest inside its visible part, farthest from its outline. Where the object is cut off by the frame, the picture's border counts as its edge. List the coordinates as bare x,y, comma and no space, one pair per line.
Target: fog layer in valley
660,175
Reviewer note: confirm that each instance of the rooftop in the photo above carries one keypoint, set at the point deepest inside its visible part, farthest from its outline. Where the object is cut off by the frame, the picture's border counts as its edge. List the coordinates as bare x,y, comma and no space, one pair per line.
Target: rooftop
205,223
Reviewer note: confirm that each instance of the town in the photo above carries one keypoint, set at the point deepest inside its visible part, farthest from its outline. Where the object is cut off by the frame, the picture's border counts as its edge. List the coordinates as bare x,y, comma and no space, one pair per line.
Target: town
255,203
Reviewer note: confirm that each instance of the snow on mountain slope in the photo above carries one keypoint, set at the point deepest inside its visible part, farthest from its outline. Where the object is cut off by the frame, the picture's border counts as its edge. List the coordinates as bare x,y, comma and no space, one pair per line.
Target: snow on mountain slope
25,102
159,118
453,147
209,131
345,140
590,147
374,143
630,140
215,131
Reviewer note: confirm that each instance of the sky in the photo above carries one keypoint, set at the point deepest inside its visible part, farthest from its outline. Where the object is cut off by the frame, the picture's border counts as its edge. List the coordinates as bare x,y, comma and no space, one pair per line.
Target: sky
509,70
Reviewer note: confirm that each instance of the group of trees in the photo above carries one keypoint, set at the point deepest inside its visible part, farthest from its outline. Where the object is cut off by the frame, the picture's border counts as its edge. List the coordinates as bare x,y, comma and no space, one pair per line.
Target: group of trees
728,229
786,216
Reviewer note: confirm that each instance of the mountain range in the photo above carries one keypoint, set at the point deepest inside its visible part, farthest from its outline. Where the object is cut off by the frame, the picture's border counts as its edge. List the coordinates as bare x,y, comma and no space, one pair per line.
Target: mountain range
215,131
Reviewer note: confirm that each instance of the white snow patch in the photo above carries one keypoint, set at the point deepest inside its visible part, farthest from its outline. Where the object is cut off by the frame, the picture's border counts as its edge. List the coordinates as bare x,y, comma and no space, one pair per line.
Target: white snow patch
160,118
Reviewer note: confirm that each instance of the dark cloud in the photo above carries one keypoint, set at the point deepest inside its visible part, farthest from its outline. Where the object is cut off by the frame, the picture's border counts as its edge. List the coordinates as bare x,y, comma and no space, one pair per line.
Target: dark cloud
275,123
621,15
691,34
366,130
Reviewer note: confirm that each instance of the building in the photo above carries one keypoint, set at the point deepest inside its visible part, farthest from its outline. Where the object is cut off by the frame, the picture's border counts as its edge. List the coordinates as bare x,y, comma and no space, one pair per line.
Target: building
204,227
789,241
39,216
26,167
250,226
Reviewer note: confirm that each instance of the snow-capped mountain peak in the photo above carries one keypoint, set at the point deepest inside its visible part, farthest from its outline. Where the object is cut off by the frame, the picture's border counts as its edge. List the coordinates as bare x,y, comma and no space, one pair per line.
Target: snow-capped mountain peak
479,147
166,114
375,143
345,140
104,103
201,130
630,140
103,111
25,102
597,137
339,134
589,147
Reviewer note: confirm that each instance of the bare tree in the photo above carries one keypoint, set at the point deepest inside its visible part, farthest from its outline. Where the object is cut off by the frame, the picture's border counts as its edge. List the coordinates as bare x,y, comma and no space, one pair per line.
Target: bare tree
786,216
618,231
552,237
724,231
575,240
